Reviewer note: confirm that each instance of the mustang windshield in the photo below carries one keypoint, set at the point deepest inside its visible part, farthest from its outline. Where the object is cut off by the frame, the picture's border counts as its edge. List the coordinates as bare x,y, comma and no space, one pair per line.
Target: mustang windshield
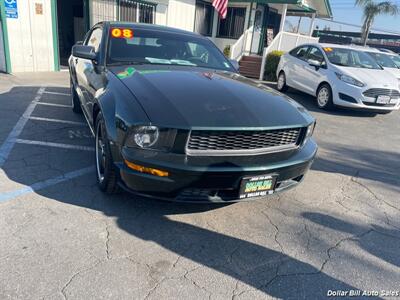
162,48
384,60
350,58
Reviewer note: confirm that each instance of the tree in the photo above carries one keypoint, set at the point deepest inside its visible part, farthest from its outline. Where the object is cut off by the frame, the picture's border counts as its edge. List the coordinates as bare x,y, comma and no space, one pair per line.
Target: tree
373,9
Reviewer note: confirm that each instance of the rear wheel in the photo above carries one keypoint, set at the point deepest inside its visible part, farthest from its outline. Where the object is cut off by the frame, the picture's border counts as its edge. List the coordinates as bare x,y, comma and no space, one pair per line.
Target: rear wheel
75,102
281,84
106,173
324,97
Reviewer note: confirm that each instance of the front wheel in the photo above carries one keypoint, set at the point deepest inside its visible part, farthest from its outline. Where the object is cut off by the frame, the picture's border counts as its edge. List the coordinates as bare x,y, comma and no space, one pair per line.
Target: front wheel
281,84
105,169
75,102
325,97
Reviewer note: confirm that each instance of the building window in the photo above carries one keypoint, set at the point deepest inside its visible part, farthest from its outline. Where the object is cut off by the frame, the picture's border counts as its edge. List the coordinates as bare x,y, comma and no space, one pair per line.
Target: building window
203,18
139,12
233,25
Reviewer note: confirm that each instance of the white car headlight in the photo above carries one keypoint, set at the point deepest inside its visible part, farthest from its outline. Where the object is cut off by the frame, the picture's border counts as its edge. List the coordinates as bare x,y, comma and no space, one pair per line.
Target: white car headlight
350,80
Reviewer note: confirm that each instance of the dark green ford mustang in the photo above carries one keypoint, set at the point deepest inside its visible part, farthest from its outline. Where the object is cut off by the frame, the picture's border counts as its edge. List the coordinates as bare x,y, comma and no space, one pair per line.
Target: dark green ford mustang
174,120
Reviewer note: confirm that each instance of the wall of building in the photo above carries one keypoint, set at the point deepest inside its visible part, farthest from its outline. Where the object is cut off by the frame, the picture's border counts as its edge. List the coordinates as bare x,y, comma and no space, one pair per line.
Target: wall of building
30,37
221,43
181,14
2,51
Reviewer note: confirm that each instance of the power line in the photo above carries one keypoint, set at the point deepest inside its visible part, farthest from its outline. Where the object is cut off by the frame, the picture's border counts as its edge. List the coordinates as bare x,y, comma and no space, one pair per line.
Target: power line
358,26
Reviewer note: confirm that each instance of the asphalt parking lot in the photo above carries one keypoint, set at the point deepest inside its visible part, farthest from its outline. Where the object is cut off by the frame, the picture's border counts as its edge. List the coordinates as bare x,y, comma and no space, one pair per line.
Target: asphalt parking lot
61,238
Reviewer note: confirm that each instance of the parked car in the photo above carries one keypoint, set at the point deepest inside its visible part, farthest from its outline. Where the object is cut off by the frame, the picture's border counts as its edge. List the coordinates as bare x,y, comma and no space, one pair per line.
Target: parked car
173,119
386,50
385,60
339,75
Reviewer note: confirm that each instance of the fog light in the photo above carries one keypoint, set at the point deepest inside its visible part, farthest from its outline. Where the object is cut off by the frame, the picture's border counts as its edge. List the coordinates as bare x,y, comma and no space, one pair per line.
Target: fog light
147,170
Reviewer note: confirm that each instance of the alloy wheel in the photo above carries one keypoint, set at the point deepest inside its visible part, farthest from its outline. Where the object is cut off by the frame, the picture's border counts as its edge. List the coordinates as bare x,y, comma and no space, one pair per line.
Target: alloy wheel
281,81
323,96
100,152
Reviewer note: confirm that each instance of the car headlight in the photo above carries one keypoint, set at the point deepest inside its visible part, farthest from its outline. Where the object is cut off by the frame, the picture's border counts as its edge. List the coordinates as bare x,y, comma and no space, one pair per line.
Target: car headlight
309,132
151,137
350,80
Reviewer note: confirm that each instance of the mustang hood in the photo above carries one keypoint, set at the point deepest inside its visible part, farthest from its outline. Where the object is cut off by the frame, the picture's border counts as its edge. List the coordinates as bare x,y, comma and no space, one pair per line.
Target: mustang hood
187,98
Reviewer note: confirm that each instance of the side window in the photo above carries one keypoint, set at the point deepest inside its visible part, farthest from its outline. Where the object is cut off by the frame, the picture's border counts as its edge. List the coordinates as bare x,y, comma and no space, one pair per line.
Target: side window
94,39
300,52
316,54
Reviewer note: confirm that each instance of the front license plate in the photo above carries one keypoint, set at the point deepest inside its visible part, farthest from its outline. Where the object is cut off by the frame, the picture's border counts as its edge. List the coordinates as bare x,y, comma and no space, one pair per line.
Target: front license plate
257,186
383,99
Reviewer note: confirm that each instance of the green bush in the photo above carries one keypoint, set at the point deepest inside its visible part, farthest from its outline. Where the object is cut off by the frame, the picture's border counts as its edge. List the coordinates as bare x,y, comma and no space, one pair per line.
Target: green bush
271,65
227,51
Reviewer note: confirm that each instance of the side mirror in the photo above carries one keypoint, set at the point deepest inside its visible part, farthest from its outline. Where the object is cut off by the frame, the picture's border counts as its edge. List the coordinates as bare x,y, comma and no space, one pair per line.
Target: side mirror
314,63
79,43
86,52
235,64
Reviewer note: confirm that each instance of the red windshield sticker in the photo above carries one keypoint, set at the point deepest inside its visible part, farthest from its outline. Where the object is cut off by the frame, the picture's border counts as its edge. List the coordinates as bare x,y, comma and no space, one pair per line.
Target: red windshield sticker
122,33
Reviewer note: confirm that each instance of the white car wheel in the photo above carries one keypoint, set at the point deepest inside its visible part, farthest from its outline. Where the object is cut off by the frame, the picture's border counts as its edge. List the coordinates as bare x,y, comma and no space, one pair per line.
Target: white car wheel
281,84
324,97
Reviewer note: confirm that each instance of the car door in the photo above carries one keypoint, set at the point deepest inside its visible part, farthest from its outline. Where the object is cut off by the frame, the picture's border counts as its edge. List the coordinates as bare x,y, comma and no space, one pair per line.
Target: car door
312,75
296,66
87,74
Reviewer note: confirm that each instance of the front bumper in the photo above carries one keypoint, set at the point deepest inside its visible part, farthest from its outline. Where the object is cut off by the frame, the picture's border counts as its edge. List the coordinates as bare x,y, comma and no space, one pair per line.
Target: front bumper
354,98
210,179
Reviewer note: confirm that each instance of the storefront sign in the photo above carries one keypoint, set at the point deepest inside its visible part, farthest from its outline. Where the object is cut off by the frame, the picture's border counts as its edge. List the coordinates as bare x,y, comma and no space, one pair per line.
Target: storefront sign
11,9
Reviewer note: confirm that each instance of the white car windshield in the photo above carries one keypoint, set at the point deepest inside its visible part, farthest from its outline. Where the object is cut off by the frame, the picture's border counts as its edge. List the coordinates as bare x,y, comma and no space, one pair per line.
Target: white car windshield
350,58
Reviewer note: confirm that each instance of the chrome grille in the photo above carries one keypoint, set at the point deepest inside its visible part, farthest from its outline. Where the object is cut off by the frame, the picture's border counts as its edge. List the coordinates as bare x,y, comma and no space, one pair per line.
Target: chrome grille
225,142
373,93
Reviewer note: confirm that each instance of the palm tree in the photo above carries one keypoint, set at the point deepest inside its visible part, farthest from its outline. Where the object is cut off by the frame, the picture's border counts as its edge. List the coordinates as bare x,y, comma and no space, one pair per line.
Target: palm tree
373,9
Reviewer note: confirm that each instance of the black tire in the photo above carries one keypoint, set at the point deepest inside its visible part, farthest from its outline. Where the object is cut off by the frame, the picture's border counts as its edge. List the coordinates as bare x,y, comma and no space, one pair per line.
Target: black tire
106,172
384,112
281,83
325,97
75,102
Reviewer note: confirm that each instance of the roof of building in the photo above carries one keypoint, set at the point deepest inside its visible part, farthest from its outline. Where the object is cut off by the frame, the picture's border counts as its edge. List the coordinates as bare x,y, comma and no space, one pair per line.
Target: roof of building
321,8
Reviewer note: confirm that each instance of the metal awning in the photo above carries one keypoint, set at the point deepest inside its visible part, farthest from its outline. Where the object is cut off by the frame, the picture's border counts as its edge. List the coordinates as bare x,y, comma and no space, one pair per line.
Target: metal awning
321,8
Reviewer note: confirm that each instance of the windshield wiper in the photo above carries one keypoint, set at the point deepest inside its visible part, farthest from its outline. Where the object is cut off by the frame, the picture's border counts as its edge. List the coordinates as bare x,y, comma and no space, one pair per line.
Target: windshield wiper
128,62
340,64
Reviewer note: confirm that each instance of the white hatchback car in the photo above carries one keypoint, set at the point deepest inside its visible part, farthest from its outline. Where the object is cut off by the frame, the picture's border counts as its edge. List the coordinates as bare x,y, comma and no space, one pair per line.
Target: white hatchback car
339,75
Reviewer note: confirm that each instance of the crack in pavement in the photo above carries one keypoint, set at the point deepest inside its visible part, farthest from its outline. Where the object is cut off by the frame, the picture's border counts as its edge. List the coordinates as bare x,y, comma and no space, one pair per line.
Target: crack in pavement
276,230
354,179
352,209
64,288
320,270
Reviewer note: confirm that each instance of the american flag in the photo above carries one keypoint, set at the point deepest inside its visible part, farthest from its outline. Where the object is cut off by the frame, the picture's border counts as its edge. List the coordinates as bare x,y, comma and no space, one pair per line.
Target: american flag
221,6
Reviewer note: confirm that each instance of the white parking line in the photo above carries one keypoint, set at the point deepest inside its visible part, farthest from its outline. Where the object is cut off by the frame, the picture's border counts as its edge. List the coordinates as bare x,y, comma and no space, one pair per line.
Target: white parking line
44,184
56,93
54,104
8,144
55,145
57,121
